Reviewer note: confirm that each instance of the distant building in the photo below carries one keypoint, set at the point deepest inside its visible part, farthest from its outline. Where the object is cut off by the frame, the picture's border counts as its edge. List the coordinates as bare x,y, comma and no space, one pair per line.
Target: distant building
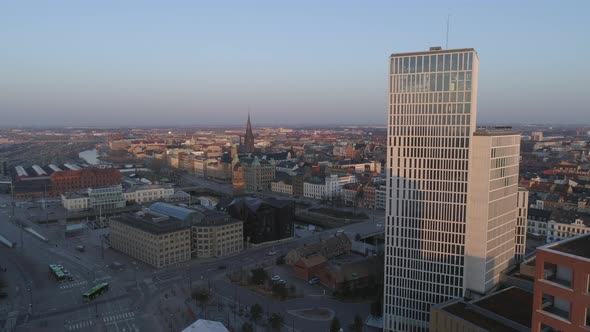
3,166
249,138
281,187
238,181
257,174
264,219
537,221
380,198
328,247
71,180
346,275
559,230
521,224
561,300
147,193
100,199
151,237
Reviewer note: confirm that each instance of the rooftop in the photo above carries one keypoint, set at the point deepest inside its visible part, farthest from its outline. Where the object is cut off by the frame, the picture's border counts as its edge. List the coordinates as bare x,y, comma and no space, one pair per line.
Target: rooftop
151,222
437,51
495,131
578,246
507,310
174,211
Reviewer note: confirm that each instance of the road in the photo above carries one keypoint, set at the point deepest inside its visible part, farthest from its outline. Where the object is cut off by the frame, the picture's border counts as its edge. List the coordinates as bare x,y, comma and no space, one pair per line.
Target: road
42,304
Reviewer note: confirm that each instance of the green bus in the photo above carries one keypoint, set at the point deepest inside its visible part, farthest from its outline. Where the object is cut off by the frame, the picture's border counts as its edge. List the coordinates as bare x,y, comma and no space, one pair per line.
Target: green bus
57,273
95,291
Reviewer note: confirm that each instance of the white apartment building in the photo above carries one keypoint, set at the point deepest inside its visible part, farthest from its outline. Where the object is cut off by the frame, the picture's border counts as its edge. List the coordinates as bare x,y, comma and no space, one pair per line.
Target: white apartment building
521,224
537,220
492,208
558,231
281,187
314,190
334,184
431,119
147,193
380,198
101,198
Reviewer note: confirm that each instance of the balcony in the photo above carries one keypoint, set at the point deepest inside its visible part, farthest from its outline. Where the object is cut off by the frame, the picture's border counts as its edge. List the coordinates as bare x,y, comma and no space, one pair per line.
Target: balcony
556,306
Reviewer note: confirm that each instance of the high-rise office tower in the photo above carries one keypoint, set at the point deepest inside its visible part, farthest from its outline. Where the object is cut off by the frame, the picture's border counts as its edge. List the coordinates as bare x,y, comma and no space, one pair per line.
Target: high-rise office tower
452,189
432,110
492,208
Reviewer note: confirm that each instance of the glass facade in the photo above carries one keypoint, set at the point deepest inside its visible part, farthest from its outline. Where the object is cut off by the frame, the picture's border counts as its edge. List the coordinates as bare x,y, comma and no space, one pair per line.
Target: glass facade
430,124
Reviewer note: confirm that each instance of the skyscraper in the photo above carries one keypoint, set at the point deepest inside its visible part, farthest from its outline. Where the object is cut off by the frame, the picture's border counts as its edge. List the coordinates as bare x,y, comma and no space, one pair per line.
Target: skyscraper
249,138
452,189
431,120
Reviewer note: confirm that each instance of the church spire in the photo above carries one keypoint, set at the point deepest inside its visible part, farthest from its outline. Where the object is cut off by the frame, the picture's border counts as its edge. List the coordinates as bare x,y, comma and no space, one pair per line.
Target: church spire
249,139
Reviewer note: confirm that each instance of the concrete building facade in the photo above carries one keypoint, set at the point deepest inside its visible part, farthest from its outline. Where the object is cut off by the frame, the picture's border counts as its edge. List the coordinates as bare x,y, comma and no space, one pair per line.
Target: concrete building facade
431,120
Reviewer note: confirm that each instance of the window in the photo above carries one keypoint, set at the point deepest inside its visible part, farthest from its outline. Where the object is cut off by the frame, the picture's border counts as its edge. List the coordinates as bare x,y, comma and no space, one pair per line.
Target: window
556,306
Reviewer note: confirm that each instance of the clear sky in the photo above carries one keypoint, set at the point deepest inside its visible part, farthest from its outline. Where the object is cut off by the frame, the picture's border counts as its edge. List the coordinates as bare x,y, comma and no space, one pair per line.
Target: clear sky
290,62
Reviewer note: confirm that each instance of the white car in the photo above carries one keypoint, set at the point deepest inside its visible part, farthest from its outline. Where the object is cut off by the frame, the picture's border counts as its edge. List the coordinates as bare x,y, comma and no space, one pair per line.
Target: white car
275,278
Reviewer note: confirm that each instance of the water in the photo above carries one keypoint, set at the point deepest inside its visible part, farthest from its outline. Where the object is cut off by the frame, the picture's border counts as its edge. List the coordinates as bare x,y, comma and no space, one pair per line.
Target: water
90,156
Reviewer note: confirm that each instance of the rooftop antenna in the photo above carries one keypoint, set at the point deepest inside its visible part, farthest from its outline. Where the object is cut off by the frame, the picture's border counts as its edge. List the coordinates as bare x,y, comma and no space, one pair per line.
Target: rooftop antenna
448,24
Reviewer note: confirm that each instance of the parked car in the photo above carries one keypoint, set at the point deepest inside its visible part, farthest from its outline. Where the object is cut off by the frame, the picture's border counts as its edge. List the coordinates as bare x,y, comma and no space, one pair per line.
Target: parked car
80,248
313,281
276,278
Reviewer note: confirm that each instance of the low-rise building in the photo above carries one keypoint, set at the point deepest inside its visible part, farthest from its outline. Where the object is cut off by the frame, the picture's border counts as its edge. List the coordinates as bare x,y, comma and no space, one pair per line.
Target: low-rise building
561,299
147,193
100,199
151,237
281,187
509,310
557,231
537,220
329,247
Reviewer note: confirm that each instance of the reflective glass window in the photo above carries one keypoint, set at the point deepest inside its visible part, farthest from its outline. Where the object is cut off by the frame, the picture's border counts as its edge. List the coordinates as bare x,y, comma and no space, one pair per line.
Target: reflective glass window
406,65
419,65
470,64
460,62
447,62
413,64
454,61
439,63
433,63
426,63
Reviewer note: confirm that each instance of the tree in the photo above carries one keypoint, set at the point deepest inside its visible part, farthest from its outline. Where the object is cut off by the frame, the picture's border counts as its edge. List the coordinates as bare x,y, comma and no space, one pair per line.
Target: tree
259,276
201,297
256,312
280,290
335,325
357,326
276,321
247,327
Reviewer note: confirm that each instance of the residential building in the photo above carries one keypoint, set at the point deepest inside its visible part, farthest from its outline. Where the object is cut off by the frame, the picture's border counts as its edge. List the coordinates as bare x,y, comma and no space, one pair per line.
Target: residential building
431,120
537,220
350,274
521,224
561,300
558,230
307,267
492,207
256,174
314,187
334,184
380,197
238,184
508,310
281,187
147,193
152,238
369,196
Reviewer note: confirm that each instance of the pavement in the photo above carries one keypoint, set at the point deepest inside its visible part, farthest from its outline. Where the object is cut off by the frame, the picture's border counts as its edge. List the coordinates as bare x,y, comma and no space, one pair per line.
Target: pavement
36,302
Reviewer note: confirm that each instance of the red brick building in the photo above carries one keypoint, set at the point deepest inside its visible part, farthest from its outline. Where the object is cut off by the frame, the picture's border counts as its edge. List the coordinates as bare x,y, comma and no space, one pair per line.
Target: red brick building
307,267
562,284
70,180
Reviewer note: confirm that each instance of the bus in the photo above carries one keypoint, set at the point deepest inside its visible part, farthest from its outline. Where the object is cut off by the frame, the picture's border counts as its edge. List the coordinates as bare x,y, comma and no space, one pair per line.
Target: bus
95,291
57,273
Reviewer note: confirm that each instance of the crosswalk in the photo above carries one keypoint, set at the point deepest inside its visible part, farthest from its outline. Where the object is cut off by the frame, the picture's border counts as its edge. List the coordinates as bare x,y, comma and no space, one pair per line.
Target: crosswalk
104,278
73,284
111,318
83,324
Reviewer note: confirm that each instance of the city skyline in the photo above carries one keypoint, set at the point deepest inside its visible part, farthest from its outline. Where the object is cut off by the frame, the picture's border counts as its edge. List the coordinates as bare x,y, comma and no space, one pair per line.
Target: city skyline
289,64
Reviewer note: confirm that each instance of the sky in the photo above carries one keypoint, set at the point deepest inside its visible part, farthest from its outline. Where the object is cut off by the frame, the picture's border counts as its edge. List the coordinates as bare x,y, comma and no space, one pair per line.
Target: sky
200,63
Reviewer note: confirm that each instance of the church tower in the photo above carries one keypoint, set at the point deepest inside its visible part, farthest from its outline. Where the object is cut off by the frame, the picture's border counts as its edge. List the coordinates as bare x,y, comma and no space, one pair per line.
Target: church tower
249,139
